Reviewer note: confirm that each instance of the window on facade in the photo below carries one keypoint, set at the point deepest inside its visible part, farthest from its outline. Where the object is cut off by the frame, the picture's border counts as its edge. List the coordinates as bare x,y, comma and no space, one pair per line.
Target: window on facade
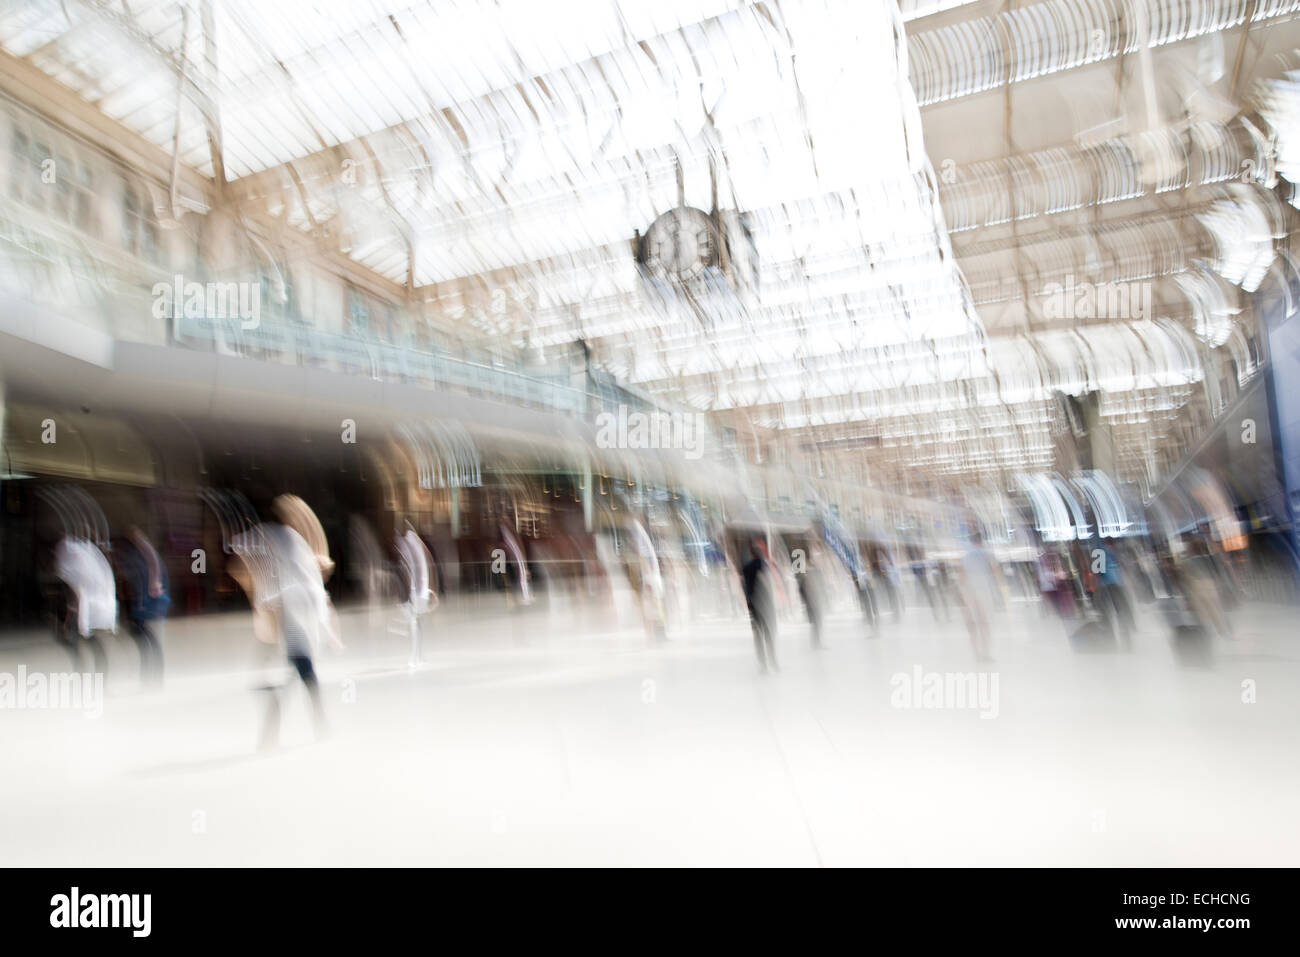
149,238
87,217
63,203
130,220
19,166
42,165
56,182
139,230
358,313
274,287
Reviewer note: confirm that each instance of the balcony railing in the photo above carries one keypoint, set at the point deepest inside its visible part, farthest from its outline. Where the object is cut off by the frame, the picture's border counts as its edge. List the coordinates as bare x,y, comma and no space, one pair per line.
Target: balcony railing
49,263
355,355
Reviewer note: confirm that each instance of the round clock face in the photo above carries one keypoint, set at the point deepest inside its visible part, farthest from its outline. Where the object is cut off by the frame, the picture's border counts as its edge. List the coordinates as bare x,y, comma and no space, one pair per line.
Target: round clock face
680,243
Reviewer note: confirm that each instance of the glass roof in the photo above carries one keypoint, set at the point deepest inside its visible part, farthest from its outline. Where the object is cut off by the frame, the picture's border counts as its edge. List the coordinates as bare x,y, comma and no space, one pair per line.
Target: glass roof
501,159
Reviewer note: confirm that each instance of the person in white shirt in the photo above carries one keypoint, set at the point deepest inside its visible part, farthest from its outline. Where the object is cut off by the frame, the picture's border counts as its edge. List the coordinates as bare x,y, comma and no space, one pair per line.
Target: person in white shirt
417,565
89,577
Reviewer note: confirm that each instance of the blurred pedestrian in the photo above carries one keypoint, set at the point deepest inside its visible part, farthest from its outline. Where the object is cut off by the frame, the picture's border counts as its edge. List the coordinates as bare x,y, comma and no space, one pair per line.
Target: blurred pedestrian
812,589
760,598
1199,578
1055,586
147,600
921,572
281,575
90,598
1110,595
866,600
980,590
416,564
941,583
891,582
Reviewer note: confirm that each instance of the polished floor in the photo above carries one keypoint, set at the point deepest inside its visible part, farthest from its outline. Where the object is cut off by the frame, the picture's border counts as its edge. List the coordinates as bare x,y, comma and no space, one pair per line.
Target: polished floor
535,737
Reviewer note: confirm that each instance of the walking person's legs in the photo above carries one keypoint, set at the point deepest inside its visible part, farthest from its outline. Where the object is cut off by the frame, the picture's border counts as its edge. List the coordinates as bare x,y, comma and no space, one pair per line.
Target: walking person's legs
270,735
1102,601
868,602
760,647
70,644
1119,613
298,649
930,600
98,653
156,633
980,634
1124,605
307,673
65,628
768,640
977,625
1203,596
150,649
414,625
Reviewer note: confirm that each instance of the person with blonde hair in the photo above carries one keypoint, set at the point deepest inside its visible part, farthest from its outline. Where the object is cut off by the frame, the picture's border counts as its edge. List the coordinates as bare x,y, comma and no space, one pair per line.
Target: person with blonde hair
282,575
292,511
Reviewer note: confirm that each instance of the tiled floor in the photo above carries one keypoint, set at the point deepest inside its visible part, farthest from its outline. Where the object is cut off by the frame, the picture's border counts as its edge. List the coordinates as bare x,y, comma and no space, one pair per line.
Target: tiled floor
529,739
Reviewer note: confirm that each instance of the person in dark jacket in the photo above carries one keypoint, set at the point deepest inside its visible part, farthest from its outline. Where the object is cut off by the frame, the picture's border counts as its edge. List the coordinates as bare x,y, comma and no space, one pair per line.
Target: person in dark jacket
760,599
1111,597
148,589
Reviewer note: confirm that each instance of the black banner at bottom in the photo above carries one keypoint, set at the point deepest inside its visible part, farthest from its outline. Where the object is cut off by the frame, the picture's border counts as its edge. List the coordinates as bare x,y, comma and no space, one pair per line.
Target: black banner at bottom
1224,908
